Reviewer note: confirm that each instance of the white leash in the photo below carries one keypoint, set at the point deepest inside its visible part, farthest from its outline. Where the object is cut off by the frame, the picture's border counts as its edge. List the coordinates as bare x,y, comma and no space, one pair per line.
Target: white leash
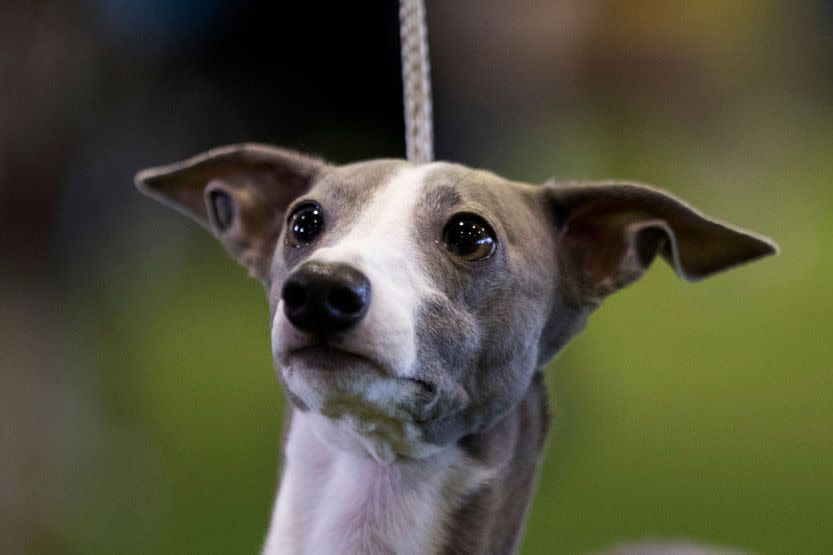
416,82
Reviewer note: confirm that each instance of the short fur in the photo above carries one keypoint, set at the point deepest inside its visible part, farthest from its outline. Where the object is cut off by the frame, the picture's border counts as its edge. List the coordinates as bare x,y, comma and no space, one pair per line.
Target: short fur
420,429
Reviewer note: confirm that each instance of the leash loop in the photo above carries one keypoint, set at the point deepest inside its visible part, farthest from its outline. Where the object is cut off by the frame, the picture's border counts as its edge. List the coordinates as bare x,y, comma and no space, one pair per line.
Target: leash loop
416,82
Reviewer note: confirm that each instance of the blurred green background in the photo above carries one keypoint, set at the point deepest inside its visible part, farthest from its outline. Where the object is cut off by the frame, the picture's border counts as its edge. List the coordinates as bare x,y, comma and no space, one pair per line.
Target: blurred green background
139,412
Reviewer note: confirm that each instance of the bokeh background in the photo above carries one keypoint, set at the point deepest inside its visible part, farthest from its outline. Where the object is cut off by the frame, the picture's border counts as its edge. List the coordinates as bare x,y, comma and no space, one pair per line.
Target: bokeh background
139,412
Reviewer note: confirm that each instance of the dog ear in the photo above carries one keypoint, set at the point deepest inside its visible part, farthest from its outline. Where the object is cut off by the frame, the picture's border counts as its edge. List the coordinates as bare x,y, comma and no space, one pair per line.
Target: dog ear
609,233
238,192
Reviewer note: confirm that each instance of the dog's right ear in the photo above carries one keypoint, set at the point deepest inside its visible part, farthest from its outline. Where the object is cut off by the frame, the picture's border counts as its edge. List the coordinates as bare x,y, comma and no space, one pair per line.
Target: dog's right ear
608,234
238,192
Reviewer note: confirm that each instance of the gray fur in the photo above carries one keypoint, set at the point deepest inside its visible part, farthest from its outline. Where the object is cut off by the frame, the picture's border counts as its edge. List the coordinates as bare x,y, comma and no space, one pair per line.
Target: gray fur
495,309
483,329
492,519
342,192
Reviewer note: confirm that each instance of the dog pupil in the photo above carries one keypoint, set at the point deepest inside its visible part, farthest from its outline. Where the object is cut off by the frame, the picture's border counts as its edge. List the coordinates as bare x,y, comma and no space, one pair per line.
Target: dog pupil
306,224
469,238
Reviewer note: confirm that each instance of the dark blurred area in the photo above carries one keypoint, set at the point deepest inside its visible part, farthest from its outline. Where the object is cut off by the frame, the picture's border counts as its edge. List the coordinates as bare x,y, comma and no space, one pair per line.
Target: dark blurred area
139,412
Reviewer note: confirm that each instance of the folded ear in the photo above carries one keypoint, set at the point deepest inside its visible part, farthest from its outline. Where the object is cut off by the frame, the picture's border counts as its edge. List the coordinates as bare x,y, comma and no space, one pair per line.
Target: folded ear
609,233
238,192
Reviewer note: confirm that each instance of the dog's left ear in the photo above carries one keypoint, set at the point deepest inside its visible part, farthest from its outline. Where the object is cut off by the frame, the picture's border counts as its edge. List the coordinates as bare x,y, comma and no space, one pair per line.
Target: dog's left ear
609,233
238,192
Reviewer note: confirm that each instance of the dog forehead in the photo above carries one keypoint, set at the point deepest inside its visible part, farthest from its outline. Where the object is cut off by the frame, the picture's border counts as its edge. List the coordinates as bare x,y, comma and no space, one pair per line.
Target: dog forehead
395,202
347,190
363,180
356,183
455,188
363,195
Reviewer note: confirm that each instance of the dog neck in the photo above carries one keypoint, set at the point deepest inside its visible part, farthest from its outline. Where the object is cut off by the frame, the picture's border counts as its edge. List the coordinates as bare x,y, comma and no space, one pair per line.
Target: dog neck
470,497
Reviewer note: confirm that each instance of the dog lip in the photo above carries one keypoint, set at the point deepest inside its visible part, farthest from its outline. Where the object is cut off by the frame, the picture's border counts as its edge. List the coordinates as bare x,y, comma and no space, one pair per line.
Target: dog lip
427,387
423,406
327,348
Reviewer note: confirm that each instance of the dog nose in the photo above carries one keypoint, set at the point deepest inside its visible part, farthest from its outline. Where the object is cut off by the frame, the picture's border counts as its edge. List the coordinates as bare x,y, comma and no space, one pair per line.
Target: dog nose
324,298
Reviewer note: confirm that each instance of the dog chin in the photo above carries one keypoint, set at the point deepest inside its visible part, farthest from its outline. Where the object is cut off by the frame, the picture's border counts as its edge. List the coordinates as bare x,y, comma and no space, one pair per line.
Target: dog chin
380,438
356,406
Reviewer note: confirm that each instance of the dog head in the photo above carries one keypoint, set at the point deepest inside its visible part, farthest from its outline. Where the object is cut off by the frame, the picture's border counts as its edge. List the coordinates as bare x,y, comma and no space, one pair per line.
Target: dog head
410,304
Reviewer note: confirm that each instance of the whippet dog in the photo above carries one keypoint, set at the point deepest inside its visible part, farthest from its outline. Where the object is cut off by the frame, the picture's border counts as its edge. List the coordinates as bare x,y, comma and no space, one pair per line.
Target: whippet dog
412,309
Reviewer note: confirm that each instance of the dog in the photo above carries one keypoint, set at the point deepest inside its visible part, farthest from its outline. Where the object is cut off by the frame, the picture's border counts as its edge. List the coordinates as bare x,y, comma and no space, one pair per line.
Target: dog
412,308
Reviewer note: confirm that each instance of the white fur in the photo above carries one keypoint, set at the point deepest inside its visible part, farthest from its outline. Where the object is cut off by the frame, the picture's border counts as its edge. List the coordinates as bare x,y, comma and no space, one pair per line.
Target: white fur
368,483
333,501
379,244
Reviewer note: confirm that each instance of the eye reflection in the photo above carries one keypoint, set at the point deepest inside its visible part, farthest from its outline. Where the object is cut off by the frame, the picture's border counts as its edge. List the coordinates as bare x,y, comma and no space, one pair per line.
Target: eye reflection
305,224
469,237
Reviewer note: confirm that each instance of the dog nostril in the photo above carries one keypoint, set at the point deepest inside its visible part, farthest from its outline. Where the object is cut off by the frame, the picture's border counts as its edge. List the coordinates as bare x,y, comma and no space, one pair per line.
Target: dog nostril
294,295
323,299
346,300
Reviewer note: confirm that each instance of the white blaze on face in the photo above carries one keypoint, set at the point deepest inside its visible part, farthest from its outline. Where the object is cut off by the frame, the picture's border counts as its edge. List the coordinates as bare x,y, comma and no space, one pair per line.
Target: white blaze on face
365,409
381,245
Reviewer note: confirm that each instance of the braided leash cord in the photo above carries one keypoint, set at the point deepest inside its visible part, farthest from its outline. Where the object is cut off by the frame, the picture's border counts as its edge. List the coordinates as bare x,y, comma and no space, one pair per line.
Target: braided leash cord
416,82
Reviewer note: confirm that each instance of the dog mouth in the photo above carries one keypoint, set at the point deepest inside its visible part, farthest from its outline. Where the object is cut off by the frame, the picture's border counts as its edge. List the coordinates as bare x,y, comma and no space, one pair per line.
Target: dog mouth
330,373
323,357
328,357
364,403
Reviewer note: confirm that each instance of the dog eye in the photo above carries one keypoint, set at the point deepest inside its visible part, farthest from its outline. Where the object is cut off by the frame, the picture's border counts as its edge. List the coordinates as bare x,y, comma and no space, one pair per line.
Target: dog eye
305,223
469,237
